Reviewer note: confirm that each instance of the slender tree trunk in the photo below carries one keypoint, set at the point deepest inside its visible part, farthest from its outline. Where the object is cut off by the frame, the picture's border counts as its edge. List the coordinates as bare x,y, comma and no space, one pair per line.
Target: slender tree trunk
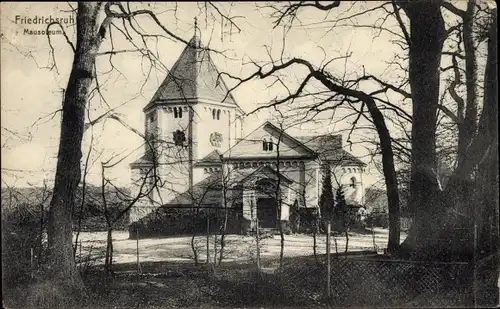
79,227
61,263
388,168
279,198
224,225
109,250
193,246
346,240
215,248
257,240
42,225
193,237
223,235
427,36
315,232
391,180
282,246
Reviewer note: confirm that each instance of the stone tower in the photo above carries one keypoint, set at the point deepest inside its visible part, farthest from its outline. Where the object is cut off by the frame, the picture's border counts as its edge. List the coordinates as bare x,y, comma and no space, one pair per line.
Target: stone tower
190,115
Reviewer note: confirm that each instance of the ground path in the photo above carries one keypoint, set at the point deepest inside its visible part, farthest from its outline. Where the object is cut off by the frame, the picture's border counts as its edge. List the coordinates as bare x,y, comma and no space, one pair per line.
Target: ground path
238,247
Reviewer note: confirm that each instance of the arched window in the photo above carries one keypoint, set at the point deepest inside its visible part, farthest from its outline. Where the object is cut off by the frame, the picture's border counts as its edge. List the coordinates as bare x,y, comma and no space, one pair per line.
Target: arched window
180,112
213,113
353,183
238,127
267,145
218,114
152,117
175,112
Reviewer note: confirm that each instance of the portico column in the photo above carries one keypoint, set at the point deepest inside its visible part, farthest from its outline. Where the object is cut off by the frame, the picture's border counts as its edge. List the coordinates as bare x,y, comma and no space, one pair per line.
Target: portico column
249,208
285,192
302,183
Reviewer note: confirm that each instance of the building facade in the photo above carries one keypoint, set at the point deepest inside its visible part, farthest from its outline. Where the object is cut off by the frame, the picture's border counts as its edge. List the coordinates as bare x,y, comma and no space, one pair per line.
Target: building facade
195,155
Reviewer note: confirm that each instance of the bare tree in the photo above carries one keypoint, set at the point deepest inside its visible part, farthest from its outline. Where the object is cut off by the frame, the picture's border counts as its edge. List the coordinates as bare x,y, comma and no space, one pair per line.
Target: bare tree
424,48
120,197
95,22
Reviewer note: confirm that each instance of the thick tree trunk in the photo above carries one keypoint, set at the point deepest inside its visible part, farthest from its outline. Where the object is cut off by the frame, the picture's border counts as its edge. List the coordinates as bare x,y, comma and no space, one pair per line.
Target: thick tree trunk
487,214
61,264
427,36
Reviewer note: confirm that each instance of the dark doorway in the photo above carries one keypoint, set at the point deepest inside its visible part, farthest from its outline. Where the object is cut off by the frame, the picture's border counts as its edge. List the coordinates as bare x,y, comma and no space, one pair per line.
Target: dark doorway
267,212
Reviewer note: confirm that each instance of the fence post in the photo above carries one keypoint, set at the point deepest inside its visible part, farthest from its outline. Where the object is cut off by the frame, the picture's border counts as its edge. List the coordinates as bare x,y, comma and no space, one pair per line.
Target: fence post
215,248
137,251
328,260
257,239
474,272
31,262
208,239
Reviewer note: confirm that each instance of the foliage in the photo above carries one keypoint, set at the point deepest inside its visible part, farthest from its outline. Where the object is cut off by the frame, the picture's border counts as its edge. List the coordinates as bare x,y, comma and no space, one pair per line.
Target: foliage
92,213
342,213
377,219
326,201
177,221
375,200
309,218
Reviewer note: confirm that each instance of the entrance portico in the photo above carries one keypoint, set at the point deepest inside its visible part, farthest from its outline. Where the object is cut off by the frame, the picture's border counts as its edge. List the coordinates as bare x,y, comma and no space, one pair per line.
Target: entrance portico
266,198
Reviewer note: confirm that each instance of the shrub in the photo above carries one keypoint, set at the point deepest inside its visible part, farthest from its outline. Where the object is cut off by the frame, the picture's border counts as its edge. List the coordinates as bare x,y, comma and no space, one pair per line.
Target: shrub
22,236
308,220
377,219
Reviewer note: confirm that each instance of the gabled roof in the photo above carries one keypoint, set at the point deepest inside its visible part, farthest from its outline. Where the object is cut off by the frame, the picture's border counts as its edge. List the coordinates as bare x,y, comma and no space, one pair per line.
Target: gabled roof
329,148
206,191
213,157
251,145
145,159
209,190
194,76
240,176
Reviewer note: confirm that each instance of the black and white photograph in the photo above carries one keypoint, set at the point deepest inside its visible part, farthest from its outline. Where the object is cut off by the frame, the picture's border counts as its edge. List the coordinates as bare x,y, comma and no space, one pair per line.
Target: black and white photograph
265,154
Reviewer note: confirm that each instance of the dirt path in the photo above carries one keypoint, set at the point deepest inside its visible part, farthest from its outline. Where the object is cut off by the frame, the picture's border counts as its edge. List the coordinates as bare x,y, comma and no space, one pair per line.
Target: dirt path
238,247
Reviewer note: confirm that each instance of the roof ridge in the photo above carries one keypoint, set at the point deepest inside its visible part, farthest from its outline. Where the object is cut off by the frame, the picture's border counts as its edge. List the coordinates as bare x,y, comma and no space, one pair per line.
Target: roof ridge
290,136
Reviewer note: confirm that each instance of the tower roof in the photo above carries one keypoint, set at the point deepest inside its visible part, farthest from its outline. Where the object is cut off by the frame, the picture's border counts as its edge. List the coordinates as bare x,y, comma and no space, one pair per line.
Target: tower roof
194,76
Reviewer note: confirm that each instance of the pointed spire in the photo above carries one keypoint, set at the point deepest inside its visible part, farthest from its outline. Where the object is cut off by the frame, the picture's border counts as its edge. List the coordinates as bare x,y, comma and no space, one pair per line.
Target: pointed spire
195,25
196,38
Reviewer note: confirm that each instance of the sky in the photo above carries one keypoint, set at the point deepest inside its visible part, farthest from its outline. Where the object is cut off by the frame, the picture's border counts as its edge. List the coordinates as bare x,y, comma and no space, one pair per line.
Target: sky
31,88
